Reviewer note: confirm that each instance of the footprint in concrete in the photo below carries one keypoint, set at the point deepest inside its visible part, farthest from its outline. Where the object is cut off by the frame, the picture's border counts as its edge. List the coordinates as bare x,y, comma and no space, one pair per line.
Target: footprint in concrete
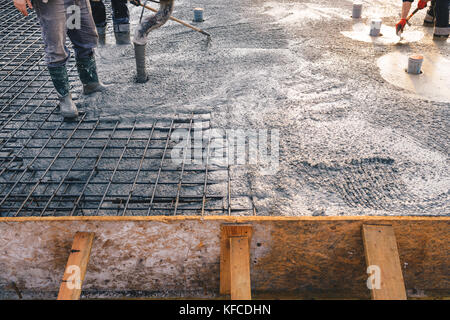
432,83
387,35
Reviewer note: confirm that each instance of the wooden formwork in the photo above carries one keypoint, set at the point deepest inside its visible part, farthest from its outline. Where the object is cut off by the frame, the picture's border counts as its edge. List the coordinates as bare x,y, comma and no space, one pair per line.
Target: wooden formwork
247,257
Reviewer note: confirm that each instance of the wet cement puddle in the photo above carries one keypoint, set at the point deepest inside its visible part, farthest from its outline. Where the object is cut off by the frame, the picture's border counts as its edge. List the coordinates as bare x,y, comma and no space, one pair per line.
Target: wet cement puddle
387,35
432,83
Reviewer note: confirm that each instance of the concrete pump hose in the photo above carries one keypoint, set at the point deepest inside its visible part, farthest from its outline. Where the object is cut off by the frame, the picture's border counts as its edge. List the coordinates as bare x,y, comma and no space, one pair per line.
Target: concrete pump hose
145,27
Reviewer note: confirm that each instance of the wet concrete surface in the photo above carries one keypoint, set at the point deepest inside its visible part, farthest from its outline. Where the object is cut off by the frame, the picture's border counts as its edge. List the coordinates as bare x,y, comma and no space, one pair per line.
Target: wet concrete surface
352,140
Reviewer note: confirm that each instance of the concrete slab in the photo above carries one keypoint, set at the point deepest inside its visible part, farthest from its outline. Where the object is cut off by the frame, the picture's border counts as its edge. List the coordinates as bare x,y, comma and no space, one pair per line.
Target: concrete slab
285,65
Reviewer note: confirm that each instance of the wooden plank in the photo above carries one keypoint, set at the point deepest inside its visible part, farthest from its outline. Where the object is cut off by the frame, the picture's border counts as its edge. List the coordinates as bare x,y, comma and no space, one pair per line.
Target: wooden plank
76,266
227,231
381,253
240,268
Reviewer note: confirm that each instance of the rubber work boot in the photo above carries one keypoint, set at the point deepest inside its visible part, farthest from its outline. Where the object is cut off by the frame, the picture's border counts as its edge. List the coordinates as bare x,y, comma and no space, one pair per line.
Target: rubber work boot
122,33
428,21
61,82
440,37
87,71
101,31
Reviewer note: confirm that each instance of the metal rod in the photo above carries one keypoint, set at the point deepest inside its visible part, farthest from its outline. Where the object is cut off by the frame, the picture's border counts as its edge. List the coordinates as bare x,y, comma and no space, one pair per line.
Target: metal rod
94,169
139,169
159,170
115,170
188,145
205,184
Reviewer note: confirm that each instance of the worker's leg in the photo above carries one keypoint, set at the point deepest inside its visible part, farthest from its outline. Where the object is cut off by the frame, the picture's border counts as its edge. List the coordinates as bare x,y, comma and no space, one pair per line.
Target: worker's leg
442,28
430,16
99,15
121,21
84,41
52,17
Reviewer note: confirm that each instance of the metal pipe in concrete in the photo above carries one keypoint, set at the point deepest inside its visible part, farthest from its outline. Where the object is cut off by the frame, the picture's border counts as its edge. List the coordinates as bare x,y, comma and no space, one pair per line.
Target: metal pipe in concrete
139,54
415,64
140,37
375,27
198,15
357,9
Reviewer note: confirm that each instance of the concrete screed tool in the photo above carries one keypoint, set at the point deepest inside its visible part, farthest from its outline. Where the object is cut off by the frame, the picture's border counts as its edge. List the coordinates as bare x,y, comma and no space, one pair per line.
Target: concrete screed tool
399,31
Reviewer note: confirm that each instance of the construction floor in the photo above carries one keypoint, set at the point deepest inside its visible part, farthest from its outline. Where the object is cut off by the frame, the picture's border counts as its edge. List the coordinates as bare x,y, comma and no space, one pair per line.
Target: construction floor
358,136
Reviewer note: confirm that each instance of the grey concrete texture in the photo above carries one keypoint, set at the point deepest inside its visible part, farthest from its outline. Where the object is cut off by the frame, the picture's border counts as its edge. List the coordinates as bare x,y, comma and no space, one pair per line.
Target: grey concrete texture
351,143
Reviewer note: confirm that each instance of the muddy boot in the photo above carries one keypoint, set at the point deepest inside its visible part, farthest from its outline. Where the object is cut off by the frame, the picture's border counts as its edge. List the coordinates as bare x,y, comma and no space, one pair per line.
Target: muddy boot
87,70
440,37
430,17
101,35
67,108
122,33
61,82
428,21
442,26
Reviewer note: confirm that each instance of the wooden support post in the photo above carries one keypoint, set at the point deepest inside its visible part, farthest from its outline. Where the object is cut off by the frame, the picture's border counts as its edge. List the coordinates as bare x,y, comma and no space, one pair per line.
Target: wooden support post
382,258
76,266
235,261
240,269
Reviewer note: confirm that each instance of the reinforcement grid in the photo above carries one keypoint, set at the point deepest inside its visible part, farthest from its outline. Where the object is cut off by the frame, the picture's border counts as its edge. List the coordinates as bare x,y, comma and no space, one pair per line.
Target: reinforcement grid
49,167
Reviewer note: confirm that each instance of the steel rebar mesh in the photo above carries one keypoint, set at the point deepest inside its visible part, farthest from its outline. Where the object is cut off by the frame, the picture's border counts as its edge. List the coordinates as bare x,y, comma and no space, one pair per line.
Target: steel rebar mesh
89,166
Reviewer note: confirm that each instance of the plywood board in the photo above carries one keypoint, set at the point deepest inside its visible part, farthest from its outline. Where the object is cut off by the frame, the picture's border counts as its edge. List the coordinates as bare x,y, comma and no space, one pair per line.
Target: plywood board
227,231
382,257
240,268
180,256
76,267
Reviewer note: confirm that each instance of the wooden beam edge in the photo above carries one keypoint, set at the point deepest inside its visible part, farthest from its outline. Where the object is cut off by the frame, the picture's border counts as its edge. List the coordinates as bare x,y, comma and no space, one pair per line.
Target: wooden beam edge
229,219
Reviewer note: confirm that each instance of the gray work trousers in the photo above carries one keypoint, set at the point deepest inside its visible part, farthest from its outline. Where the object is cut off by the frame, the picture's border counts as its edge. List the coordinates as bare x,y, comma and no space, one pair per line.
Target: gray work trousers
59,18
441,12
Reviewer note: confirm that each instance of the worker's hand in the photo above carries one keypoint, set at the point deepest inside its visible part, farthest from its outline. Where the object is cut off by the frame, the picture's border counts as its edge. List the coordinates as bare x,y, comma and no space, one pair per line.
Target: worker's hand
21,5
422,4
400,25
137,3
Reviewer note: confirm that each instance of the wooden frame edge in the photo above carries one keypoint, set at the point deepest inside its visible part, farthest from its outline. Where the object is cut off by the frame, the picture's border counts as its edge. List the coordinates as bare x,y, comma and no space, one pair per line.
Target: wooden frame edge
227,219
